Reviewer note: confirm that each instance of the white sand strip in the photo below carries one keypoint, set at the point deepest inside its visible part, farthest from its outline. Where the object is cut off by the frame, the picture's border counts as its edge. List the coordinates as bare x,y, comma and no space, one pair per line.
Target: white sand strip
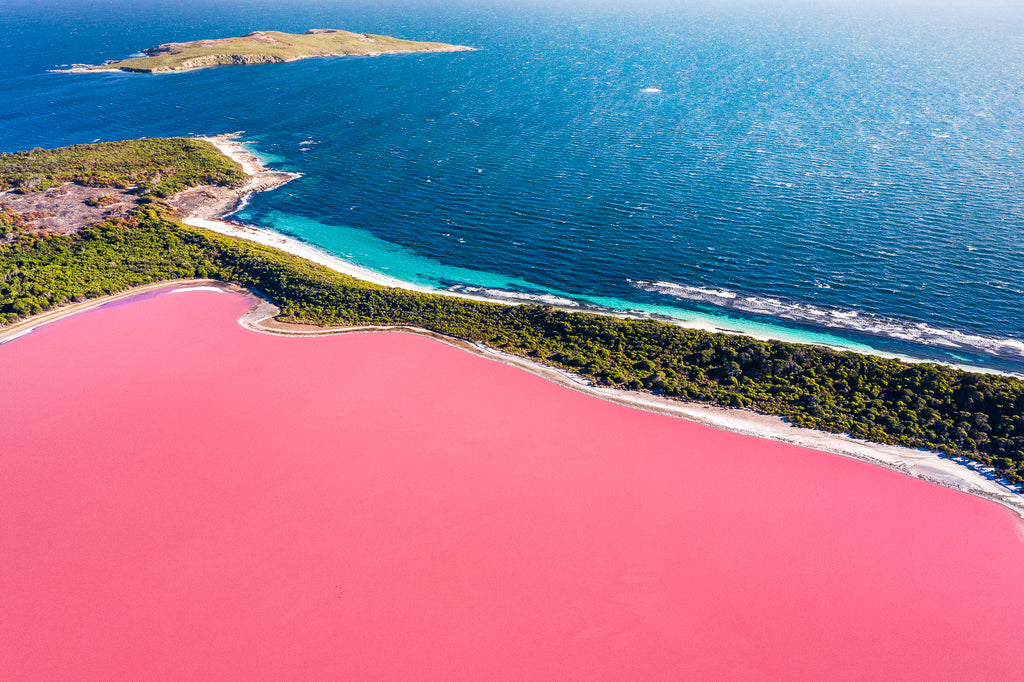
229,145
263,179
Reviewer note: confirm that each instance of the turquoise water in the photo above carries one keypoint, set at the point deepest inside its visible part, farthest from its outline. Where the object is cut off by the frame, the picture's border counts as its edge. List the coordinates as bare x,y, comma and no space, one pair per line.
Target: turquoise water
844,172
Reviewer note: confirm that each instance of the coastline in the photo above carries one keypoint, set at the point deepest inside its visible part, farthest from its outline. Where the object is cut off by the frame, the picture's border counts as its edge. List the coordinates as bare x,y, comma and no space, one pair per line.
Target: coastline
208,217
216,218
214,215
928,466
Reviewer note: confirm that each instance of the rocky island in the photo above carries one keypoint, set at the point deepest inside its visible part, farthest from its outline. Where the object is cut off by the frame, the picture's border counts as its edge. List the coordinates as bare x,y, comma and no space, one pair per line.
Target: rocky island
265,47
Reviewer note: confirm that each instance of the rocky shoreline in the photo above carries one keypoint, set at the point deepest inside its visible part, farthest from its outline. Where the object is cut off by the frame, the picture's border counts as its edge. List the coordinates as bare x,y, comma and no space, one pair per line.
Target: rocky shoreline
213,202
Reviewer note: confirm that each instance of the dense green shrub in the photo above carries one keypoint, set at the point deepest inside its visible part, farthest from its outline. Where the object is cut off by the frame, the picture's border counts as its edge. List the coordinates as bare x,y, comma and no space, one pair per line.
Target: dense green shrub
158,166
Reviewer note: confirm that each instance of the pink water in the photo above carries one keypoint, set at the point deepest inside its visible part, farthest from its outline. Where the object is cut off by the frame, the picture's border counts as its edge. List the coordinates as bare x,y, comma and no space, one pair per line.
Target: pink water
183,498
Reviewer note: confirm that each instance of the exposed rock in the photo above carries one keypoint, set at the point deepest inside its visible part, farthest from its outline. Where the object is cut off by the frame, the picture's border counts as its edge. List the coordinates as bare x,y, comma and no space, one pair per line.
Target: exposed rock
230,59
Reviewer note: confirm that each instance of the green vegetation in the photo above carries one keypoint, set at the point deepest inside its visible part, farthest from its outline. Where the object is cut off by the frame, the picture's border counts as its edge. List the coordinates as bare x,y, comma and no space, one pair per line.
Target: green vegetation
263,47
101,201
886,401
160,167
9,222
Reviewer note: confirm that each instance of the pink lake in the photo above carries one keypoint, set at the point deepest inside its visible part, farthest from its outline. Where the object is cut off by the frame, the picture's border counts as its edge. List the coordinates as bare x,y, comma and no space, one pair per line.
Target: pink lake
182,498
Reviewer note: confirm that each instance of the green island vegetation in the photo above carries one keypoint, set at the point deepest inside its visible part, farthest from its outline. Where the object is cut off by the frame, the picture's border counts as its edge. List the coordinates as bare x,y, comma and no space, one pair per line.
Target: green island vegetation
160,167
266,47
977,416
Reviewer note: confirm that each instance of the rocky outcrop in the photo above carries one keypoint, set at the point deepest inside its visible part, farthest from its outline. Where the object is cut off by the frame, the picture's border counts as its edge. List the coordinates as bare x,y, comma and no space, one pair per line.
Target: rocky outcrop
229,59
210,60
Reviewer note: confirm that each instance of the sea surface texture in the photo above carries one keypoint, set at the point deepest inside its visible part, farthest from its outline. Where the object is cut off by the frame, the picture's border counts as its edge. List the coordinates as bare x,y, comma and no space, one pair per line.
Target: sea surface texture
840,172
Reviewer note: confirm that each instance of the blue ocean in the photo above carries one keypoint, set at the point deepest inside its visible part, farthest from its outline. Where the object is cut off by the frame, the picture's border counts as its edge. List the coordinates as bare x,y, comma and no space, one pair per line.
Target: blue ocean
840,172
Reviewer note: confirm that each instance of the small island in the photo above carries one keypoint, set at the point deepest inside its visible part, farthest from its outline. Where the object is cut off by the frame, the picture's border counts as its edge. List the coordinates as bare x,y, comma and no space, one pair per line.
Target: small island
265,47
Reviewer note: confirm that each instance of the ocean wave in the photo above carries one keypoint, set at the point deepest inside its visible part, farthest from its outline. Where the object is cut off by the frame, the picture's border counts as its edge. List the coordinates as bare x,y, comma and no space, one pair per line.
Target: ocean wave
519,296
243,203
837,318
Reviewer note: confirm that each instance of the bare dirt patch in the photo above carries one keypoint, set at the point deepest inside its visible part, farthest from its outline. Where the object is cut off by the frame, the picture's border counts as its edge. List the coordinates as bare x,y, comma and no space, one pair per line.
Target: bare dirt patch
68,208
206,201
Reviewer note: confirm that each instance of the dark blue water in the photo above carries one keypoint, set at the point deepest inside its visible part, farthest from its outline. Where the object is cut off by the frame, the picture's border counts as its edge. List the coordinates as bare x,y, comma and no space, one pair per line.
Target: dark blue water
840,172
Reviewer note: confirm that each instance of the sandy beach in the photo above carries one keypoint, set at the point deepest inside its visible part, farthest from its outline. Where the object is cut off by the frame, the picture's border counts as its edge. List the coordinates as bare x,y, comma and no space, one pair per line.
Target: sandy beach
210,208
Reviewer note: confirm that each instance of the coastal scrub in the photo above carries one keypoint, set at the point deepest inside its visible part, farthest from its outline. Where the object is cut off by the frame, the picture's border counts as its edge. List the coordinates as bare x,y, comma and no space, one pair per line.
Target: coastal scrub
160,167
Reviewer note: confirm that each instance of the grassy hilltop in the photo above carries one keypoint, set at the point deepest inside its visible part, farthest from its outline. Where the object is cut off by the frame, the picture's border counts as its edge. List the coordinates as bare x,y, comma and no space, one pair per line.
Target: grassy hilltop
886,401
266,47
158,166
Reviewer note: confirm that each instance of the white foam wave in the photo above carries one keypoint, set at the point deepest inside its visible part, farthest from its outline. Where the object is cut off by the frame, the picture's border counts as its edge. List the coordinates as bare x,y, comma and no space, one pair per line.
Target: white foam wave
836,318
242,203
650,90
521,296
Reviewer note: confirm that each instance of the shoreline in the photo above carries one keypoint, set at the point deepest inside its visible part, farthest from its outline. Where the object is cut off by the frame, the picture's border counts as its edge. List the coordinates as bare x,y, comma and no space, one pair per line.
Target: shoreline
229,145
921,464
262,180
220,222
927,466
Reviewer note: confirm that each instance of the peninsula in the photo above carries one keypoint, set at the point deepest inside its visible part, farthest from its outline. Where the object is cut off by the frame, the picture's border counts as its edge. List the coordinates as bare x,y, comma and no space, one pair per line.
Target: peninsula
89,221
265,47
